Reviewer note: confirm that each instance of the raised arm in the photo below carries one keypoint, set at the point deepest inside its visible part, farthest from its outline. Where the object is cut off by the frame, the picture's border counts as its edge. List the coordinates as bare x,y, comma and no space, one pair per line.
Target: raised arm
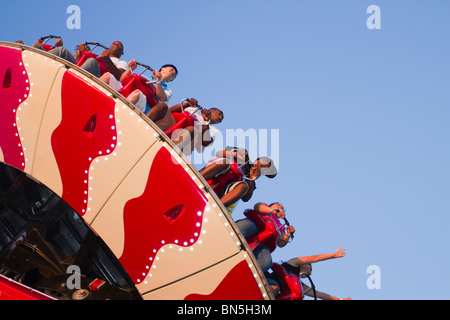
320,295
131,67
340,252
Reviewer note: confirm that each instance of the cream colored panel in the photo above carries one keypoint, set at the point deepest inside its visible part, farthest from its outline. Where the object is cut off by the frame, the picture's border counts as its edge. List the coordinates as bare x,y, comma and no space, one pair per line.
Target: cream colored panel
134,137
109,223
216,238
207,281
41,74
45,167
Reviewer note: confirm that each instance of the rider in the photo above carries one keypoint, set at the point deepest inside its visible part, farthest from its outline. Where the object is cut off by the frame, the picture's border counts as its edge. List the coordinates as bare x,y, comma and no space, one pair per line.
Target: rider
272,212
186,139
90,65
158,112
231,188
302,266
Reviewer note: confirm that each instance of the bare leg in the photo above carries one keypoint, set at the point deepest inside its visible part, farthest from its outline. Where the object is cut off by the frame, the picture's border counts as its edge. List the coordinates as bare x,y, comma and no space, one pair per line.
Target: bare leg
134,96
106,78
185,140
213,169
158,112
234,195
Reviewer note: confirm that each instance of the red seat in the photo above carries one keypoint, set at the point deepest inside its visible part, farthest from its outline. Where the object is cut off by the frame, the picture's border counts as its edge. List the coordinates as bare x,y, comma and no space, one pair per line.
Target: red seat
47,47
267,230
134,82
291,286
234,174
183,120
101,63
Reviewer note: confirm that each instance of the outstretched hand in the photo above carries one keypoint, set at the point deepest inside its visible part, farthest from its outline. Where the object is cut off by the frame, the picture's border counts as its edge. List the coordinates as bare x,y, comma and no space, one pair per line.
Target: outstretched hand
340,252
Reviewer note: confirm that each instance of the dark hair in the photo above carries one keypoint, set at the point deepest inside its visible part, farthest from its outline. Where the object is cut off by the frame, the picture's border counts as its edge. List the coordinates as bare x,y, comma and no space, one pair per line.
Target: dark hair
170,65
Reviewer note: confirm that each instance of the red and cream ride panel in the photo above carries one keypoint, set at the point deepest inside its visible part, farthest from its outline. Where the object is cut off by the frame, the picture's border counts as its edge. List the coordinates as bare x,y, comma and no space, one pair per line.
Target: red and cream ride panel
124,177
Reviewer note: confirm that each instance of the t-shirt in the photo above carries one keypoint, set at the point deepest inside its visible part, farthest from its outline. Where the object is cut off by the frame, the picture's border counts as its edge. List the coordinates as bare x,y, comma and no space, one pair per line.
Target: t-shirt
120,64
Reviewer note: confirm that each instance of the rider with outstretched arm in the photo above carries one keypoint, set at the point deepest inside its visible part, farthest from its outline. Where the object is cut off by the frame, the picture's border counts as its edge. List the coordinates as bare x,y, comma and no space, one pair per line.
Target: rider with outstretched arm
302,266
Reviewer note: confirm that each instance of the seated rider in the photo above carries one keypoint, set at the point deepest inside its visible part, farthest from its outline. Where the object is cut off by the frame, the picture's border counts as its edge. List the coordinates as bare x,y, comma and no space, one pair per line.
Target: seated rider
167,73
232,187
302,267
249,228
186,138
115,66
90,65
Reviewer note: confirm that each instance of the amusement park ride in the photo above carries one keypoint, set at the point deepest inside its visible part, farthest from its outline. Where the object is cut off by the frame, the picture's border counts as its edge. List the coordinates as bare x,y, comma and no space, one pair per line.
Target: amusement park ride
88,181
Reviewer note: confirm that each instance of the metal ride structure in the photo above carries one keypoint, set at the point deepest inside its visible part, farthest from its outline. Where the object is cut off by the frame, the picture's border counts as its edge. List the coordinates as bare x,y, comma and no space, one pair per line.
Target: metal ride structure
88,181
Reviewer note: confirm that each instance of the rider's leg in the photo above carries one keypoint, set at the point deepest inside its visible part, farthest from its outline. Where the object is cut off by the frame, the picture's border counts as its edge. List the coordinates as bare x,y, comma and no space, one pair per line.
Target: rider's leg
247,227
263,257
184,140
138,99
215,168
158,114
238,191
91,66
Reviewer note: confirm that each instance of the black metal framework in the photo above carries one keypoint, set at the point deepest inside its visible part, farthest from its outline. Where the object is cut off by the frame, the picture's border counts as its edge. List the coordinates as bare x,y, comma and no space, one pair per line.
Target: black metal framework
41,236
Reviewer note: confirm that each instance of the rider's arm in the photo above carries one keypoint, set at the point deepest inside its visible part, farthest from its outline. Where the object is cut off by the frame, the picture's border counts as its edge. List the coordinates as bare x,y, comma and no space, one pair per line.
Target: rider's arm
318,257
207,139
227,153
176,108
262,207
186,104
251,188
161,94
131,67
320,295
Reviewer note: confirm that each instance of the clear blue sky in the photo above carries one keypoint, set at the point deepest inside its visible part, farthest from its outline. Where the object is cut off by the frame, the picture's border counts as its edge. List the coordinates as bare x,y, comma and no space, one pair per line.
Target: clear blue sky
363,115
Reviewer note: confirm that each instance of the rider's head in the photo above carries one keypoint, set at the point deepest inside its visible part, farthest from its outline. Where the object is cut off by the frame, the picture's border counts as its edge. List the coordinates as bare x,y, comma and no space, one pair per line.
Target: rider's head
216,115
116,49
267,167
169,72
